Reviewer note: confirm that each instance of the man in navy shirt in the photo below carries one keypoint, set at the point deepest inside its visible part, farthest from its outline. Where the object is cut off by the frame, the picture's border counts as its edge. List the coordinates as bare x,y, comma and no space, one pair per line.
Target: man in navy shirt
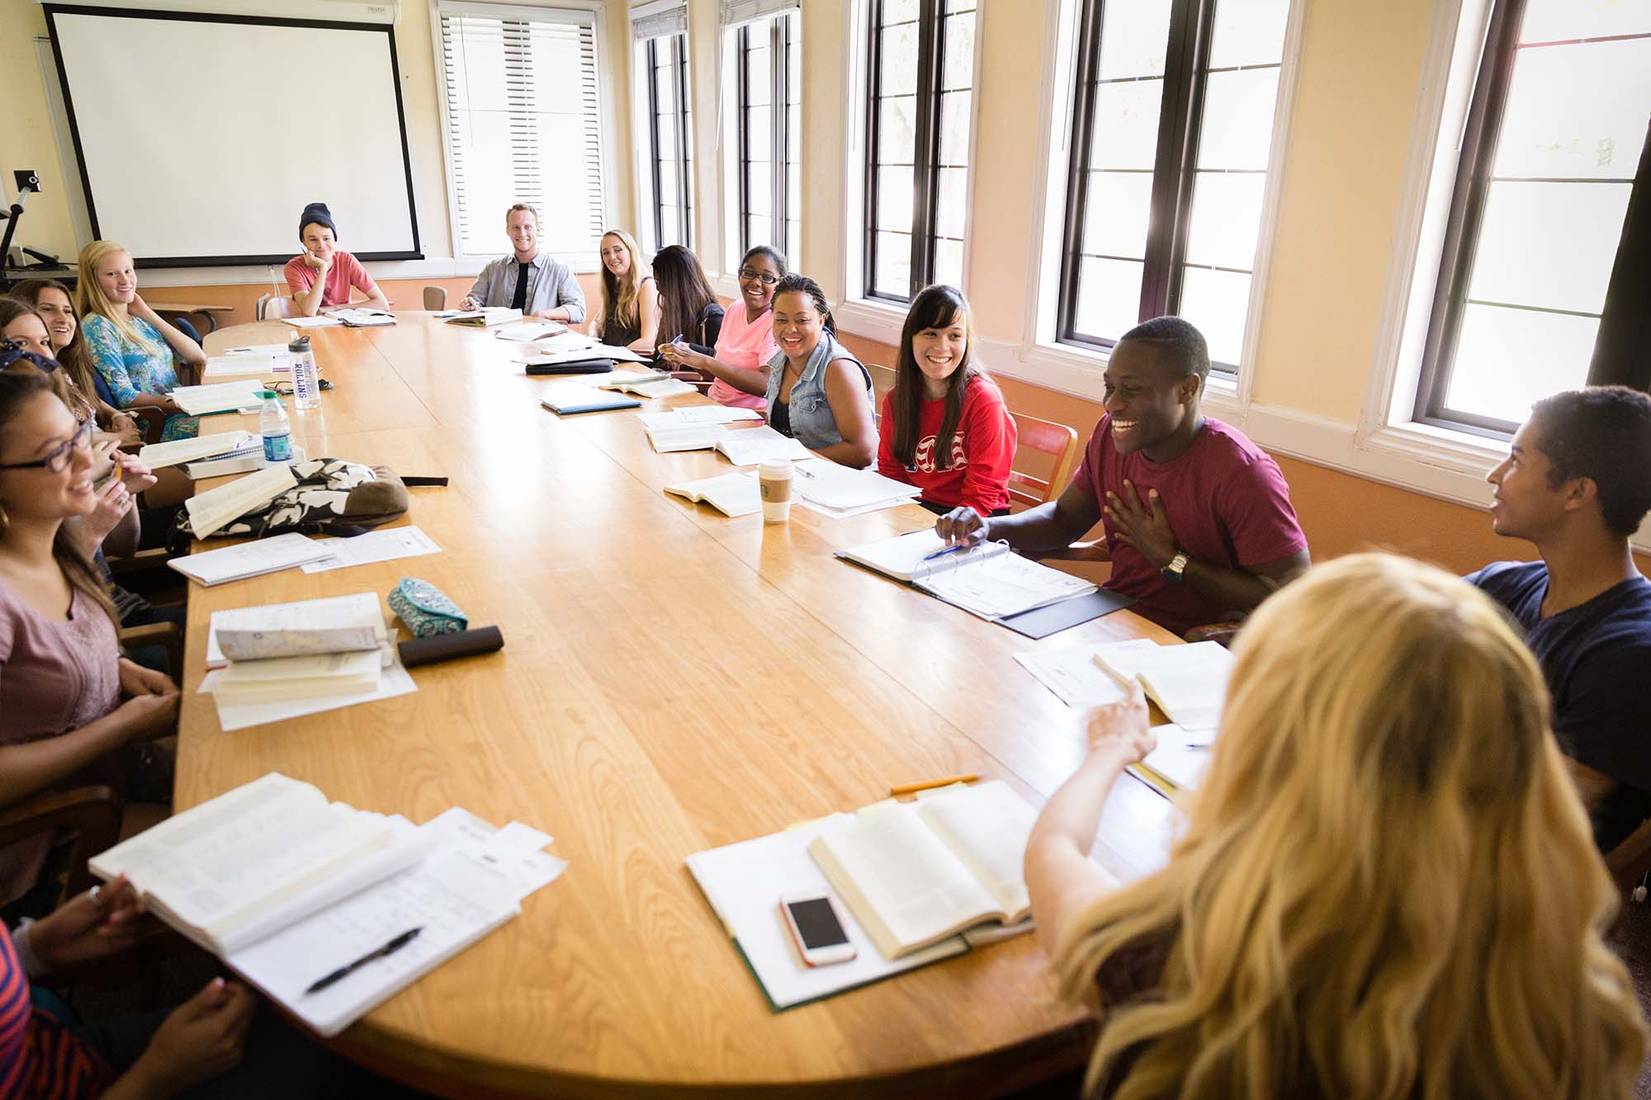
1577,484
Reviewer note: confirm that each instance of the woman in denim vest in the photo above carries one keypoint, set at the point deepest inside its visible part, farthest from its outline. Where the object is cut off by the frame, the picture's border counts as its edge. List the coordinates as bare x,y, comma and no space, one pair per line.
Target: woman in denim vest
817,391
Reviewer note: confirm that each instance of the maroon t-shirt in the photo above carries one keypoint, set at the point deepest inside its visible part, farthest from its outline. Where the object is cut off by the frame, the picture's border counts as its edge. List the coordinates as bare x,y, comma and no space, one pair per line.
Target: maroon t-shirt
1227,502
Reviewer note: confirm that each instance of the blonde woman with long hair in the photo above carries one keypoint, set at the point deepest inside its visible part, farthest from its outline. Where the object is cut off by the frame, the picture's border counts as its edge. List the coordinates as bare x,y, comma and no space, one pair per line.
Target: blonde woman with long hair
630,298
1386,888
131,346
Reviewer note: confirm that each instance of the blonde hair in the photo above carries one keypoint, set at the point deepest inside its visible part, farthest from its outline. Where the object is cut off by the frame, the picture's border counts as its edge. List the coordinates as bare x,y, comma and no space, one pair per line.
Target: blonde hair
620,300
90,297
1386,888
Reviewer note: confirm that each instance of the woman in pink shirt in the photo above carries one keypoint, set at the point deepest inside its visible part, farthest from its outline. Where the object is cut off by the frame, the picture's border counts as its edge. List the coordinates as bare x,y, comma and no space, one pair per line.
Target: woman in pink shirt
322,277
746,344
67,696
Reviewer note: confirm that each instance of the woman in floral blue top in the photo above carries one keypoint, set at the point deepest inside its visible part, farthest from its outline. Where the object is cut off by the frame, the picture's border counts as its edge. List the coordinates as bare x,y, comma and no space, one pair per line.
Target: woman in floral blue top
134,351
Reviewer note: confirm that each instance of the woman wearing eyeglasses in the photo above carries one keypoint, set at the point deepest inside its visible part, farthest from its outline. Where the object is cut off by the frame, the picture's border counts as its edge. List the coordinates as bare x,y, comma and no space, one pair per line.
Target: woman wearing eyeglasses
746,344
68,699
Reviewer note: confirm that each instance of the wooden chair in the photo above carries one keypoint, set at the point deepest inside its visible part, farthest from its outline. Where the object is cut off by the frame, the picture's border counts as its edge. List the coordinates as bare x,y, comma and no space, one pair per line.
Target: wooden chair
1630,861
271,307
435,297
91,814
1045,437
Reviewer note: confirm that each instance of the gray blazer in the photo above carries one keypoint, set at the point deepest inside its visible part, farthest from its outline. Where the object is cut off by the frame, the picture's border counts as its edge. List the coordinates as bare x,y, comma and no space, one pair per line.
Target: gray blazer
550,284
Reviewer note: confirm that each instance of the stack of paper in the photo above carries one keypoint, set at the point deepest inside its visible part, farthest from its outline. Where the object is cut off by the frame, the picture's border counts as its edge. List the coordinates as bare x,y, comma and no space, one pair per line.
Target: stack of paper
288,888
364,317
249,559
1188,682
374,546
218,397
842,491
529,331
215,446
258,359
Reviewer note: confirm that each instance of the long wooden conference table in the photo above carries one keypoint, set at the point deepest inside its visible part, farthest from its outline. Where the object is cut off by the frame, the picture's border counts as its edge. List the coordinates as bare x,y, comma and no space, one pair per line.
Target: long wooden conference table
672,680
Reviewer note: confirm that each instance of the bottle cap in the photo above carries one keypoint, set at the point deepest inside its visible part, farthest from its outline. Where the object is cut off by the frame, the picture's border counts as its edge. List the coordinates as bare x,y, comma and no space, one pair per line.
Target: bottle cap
298,343
267,395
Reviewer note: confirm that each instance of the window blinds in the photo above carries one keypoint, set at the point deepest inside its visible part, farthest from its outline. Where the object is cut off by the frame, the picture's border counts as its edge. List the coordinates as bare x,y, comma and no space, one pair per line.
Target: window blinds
735,12
659,19
524,125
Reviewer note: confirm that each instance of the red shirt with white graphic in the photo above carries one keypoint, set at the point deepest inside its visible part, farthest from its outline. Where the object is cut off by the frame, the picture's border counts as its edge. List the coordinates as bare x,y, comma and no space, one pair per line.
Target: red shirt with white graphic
983,448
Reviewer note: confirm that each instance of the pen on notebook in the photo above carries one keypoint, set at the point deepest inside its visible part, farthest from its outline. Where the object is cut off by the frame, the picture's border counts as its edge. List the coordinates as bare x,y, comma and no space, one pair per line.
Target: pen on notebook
931,555
931,784
347,969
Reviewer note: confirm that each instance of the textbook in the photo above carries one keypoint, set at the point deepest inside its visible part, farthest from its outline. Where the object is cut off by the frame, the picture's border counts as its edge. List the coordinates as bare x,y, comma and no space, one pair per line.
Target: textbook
364,317
917,873
178,451
218,397
216,507
277,679
486,318
736,494
1188,682
288,888
988,579
249,559
567,398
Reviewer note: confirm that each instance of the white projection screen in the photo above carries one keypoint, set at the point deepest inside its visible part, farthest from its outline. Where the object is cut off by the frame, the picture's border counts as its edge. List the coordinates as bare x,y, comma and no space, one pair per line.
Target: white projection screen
202,137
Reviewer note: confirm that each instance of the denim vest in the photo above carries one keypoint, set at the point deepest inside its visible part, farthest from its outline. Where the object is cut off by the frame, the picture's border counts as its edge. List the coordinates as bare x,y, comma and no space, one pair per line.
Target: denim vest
811,419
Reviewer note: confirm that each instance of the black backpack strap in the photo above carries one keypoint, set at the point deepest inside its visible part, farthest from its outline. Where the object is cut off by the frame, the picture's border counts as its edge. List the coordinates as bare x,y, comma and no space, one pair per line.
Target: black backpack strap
423,480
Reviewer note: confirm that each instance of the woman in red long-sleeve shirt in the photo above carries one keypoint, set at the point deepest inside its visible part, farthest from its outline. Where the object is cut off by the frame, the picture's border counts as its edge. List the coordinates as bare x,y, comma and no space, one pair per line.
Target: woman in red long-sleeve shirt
945,427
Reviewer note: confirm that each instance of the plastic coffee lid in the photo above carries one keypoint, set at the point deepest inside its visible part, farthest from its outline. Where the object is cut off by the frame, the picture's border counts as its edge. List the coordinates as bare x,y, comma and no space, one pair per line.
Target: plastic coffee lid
773,470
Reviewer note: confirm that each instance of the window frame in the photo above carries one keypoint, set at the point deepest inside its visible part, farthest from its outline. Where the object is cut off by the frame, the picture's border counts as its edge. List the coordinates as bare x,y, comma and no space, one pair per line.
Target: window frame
680,123
1621,325
931,60
595,11
780,165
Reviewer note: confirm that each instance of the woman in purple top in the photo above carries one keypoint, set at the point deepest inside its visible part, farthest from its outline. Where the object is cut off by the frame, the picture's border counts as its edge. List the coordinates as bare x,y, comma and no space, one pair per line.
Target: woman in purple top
67,696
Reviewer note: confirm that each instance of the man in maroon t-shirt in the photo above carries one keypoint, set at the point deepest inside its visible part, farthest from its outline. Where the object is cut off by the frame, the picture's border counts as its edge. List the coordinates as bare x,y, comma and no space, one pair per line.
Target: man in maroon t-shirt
1198,519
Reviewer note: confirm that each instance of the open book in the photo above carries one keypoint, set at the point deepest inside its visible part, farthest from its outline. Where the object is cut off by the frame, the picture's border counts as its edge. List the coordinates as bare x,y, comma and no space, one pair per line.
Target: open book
218,445
333,624
915,874
696,416
529,331
364,317
287,888
485,318
988,580
218,397
655,385
736,494
258,359
216,507
1188,682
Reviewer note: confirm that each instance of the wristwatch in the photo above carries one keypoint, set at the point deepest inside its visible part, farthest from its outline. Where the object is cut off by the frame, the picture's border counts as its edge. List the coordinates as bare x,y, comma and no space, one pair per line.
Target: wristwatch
1175,572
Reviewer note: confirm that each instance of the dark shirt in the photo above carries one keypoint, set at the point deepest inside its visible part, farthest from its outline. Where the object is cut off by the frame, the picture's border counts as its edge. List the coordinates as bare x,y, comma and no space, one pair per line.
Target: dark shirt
709,326
1596,658
779,417
519,301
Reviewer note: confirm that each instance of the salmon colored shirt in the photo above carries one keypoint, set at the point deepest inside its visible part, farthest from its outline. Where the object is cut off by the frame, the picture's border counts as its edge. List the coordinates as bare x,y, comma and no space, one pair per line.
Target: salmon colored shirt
744,344
346,271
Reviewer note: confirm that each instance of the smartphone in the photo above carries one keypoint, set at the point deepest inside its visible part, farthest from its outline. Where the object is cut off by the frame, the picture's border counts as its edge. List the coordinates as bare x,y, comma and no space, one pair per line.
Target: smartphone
816,930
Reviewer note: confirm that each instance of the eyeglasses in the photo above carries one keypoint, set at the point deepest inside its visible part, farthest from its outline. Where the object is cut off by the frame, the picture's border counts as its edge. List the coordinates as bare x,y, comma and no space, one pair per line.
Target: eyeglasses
59,457
287,389
760,276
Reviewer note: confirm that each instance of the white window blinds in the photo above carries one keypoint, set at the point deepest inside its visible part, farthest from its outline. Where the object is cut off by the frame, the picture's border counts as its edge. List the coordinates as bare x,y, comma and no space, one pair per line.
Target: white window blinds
735,12
524,125
659,18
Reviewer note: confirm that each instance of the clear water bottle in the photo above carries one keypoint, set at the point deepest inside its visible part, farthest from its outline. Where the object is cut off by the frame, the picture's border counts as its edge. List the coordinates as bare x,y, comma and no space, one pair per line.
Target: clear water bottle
305,389
272,422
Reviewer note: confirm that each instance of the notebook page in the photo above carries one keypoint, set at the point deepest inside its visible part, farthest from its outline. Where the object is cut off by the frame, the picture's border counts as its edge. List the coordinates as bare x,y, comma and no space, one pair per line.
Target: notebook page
1004,585
214,508
374,546
157,455
986,825
620,377
218,396
698,414
1073,675
689,437
248,559
749,446
829,485
658,387
455,900
894,865
1189,682
744,883
902,556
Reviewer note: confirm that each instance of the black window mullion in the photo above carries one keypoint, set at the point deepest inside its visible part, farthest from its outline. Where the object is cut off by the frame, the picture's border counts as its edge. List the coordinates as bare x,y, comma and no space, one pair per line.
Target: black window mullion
925,148
874,73
653,138
1193,80
1077,190
679,51
1467,208
742,52
779,116
1174,115
1622,350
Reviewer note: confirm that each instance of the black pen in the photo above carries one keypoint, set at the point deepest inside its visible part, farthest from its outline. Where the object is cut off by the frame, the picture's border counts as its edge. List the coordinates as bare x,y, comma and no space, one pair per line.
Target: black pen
347,969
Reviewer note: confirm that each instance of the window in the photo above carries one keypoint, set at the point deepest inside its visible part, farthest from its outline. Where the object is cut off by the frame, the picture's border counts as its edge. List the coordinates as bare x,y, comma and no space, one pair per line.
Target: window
662,68
1549,232
523,124
1172,132
764,62
921,72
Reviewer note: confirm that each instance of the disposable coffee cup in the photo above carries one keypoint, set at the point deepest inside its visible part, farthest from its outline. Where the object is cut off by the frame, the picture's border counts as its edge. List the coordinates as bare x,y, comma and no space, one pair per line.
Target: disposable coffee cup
774,478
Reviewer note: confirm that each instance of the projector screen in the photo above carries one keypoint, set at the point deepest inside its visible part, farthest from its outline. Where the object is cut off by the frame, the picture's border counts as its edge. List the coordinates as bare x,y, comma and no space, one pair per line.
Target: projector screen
201,138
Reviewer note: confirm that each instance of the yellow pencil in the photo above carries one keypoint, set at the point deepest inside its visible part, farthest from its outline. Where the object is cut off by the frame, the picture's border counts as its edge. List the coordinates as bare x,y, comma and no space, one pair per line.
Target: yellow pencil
929,785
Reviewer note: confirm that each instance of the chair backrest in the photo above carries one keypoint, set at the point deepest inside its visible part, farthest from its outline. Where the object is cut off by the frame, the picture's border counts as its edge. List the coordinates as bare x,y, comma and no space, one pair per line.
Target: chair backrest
275,308
1044,437
259,306
435,297
1630,861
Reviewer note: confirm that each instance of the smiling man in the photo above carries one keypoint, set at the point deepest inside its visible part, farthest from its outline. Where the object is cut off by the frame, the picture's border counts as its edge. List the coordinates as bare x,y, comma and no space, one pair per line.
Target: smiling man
528,279
1577,483
1199,525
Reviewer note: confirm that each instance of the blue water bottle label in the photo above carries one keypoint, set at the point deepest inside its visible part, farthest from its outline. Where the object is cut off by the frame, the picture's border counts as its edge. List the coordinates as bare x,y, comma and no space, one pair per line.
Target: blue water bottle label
278,448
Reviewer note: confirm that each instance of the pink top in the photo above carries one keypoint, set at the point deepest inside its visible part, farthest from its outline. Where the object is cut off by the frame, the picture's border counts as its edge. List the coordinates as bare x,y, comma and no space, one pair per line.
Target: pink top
346,271
56,675
744,344
1227,502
